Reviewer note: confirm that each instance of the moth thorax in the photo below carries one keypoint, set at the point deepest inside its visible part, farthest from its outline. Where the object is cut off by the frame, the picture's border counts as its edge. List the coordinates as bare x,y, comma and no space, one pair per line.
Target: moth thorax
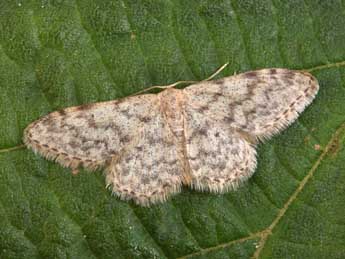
171,102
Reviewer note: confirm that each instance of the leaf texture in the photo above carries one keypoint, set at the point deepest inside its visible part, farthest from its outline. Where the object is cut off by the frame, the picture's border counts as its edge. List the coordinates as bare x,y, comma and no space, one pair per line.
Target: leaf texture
55,54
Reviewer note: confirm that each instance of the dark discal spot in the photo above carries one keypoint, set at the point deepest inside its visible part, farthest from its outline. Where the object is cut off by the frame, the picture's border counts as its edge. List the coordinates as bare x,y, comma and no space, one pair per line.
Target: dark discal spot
45,145
216,134
76,158
292,104
54,149
85,107
64,154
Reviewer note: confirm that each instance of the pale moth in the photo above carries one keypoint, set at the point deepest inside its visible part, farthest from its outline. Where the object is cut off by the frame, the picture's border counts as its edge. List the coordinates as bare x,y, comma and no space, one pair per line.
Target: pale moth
202,136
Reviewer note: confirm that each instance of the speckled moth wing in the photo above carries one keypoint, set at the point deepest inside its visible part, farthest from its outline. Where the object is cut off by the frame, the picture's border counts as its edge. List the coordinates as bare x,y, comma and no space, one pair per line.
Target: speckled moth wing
151,169
203,136
259,103
219,157
224,119
90,135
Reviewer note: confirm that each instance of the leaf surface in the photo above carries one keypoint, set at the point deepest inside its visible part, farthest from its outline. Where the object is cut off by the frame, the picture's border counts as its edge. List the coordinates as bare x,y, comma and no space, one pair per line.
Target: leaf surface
55,54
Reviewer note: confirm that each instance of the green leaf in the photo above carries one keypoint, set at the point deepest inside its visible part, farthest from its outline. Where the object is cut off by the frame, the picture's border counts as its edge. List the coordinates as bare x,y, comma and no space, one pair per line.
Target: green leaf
55,54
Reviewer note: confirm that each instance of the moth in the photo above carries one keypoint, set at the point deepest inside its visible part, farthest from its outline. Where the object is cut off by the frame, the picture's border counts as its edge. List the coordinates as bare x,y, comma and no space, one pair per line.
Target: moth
203,136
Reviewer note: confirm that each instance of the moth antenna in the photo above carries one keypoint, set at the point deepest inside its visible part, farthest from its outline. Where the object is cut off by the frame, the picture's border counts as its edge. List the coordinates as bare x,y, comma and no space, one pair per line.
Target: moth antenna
182,82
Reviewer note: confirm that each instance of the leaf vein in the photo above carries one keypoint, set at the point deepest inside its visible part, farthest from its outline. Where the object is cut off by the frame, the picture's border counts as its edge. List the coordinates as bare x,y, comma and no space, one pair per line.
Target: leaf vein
265,233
